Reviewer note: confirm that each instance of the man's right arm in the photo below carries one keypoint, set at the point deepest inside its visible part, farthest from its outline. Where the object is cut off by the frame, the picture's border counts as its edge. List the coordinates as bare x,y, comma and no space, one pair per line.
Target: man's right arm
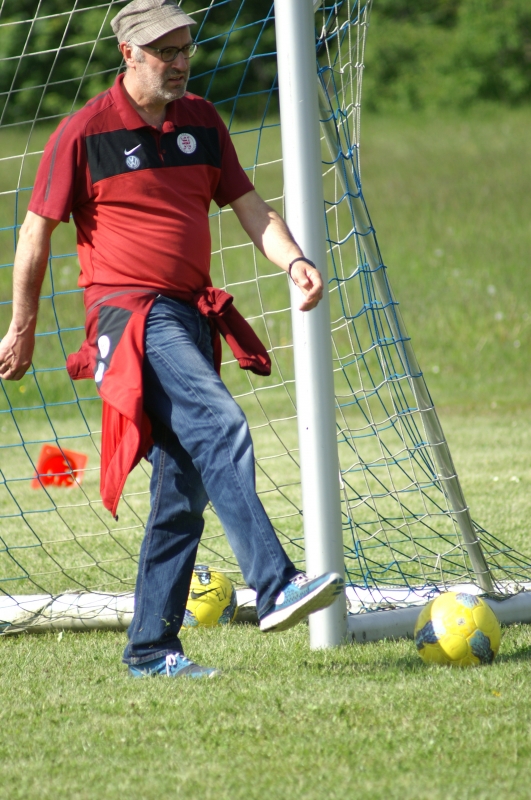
31,260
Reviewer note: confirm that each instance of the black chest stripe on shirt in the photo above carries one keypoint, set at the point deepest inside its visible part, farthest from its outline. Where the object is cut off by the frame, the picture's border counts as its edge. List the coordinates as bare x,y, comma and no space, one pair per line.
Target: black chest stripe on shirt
123,151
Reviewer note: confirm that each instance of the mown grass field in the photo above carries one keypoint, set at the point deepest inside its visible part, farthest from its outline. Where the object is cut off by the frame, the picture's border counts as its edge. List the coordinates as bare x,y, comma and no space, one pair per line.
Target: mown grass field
449,198
369,721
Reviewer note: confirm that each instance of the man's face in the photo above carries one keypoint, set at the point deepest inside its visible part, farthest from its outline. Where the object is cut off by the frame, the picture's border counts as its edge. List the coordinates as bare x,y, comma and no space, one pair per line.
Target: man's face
163,81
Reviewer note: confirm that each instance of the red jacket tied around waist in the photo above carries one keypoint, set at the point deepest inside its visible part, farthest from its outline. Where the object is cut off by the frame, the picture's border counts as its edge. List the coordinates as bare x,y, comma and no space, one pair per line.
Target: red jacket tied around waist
113,354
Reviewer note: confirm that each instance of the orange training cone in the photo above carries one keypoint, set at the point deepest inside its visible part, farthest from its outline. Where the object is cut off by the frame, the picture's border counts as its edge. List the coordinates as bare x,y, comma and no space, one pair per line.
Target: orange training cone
59,467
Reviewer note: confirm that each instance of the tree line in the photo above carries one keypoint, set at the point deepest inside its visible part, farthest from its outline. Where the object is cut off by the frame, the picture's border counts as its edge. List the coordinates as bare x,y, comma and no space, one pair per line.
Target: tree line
419,54
443,53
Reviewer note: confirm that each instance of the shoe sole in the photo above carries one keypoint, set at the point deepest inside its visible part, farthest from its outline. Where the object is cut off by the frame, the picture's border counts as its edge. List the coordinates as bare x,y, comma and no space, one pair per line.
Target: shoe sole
190,676
320,598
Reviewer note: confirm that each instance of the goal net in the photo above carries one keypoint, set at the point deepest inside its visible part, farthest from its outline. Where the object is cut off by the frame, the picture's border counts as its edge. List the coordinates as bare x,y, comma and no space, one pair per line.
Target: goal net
406,529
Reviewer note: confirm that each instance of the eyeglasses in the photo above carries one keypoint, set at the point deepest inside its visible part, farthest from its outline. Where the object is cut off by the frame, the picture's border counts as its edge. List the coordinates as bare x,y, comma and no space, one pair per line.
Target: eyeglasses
170,53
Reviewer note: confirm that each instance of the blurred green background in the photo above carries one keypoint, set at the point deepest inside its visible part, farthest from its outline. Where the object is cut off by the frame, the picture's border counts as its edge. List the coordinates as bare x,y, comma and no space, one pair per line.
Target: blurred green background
449,197
421,54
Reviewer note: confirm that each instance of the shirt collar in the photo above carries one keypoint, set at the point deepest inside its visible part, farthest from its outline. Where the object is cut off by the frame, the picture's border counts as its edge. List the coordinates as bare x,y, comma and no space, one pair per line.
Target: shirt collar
130,116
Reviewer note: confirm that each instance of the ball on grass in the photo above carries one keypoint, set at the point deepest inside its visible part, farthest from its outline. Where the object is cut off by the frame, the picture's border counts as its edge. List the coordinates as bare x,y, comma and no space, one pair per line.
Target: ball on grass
211,599
457,629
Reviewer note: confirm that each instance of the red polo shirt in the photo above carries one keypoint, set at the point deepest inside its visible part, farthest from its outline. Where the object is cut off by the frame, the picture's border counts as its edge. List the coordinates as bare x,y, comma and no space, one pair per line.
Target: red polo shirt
139,196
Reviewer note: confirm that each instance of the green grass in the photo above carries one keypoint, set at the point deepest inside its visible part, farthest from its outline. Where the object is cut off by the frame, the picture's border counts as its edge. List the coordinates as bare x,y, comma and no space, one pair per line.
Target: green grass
364,721
449,198
491,453
369,721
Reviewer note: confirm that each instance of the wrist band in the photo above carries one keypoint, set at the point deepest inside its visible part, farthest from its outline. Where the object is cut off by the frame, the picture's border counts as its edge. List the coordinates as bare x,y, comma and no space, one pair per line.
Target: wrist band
300,258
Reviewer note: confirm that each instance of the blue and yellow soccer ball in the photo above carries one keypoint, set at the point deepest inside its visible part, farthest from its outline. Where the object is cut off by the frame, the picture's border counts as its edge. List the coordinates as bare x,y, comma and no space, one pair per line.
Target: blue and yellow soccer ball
211,599
459,630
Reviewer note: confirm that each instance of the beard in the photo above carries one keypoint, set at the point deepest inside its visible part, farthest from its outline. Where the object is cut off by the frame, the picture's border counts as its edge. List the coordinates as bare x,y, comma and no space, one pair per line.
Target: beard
155,84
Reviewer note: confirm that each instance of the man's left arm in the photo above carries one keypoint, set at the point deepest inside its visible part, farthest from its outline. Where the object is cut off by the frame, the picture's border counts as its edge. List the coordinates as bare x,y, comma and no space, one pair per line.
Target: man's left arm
271,235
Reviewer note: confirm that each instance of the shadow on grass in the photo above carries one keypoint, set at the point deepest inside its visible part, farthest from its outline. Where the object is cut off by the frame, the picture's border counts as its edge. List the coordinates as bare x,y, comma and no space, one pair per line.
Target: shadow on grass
347,662
519,654
371,661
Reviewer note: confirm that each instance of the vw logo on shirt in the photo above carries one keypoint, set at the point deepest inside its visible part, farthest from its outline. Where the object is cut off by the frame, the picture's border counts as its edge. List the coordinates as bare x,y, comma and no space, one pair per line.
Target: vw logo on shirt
186,143
133,162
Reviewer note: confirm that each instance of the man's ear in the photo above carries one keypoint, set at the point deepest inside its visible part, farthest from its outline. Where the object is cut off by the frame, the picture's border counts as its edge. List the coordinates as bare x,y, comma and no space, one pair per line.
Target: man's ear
127,52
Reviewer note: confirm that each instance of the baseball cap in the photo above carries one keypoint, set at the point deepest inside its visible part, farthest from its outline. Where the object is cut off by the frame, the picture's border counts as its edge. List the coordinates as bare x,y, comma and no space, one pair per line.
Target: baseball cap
143,21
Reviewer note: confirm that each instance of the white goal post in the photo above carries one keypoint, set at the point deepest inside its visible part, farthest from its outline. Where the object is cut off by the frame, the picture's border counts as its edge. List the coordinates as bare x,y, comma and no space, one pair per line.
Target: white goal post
312,346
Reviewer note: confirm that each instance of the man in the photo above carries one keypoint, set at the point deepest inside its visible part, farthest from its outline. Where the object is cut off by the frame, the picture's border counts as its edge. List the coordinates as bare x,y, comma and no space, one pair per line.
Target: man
137,168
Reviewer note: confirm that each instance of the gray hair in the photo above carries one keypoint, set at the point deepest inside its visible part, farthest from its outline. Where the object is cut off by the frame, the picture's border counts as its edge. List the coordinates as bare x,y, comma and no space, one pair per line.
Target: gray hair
138,53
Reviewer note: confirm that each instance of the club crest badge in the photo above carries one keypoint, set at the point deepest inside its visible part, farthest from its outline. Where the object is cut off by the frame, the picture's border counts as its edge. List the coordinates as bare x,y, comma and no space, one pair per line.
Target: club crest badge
133,162
186,143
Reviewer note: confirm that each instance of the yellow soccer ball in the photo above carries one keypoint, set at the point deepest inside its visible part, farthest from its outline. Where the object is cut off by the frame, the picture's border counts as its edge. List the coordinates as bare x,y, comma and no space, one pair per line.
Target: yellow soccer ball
459,630
211,600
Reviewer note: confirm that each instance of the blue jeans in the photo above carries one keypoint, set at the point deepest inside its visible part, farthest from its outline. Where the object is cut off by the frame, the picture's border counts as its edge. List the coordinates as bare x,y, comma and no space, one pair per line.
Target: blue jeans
202,450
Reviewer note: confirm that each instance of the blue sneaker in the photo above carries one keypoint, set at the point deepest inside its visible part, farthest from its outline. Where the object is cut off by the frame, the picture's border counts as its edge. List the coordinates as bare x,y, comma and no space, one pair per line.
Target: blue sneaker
300,597
174,665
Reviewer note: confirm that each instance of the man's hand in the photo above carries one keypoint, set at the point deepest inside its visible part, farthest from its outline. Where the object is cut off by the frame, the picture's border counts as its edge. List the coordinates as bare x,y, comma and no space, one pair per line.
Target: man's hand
308,280
16,348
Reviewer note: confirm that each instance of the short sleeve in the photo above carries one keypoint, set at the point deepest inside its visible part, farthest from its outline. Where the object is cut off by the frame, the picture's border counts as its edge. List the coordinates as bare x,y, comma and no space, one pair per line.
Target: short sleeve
233,182
61,180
